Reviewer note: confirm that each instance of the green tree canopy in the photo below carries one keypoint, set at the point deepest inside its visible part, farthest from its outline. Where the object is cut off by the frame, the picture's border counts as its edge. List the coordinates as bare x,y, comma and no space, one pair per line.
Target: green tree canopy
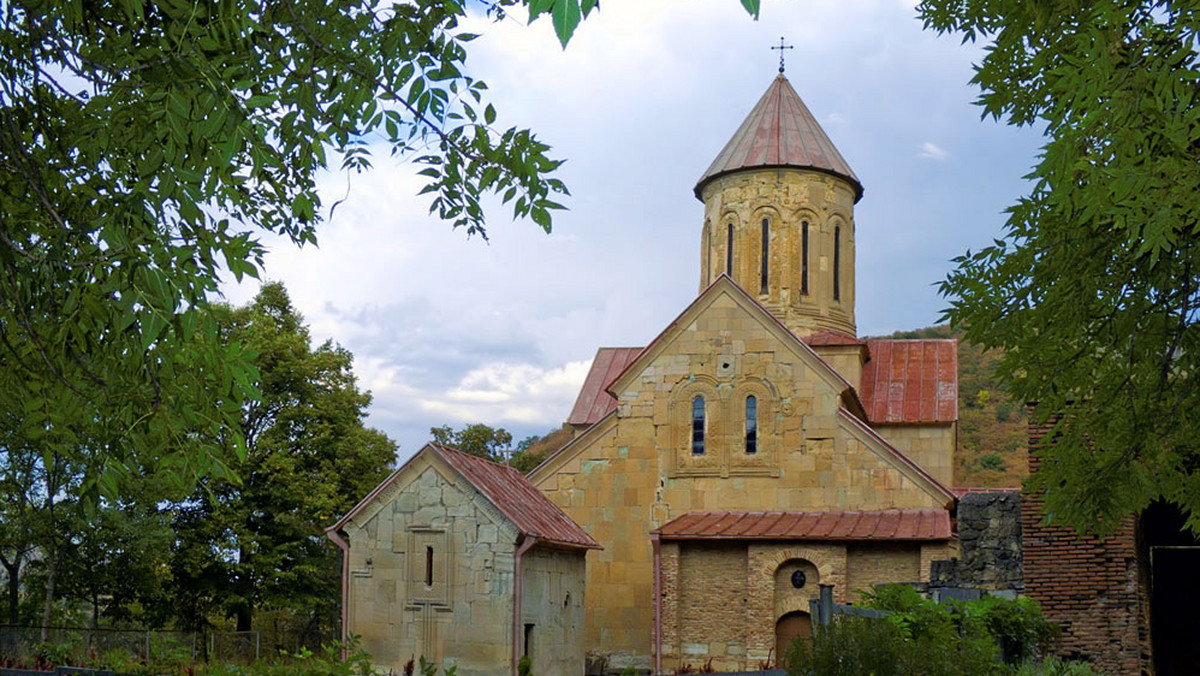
259,543
1094,289
476,439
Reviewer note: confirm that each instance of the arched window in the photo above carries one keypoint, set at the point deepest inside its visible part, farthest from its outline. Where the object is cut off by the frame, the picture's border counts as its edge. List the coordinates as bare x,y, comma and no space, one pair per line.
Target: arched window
766,226
729,249
751,424
837,263
698,425
804,258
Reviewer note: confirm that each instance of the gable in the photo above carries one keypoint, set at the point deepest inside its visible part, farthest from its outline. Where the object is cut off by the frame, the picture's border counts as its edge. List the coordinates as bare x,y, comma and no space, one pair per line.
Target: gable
502,491
729,311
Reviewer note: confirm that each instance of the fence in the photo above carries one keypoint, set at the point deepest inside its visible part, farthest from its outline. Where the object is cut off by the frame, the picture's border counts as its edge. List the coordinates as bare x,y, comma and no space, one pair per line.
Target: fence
151,645
822,609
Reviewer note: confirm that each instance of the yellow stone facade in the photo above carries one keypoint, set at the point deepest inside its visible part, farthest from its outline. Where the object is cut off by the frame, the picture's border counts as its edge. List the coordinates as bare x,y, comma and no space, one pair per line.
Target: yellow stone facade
635,470
789,201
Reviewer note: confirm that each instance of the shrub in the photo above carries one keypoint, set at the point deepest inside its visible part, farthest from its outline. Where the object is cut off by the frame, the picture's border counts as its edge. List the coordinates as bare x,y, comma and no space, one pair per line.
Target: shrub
992,461
989,636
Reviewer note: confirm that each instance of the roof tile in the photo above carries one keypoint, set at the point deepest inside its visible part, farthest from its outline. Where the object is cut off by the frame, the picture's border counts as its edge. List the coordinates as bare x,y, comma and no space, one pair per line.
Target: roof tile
518,499
887,524
780,132
594,401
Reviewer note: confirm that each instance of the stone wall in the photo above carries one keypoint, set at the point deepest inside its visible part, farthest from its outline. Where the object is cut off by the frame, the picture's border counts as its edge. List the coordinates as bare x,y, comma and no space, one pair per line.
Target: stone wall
786,198
465,616
634,471
1093,588
552,601
930,446
989,533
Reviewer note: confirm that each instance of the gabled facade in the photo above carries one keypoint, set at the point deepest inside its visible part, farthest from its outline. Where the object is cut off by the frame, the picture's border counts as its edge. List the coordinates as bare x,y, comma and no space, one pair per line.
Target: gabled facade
462,561
749,413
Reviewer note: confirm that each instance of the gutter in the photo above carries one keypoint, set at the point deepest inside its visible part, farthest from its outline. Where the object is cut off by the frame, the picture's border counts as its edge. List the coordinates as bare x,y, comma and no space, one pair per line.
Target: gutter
518,570
655,541
340,541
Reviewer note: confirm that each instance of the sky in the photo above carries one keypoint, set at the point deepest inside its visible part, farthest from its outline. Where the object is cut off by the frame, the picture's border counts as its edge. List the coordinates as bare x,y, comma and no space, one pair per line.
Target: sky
451,329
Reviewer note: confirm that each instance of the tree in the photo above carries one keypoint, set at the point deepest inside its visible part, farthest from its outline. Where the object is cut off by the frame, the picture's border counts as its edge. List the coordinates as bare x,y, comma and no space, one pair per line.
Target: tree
259,543
1093,290
476,439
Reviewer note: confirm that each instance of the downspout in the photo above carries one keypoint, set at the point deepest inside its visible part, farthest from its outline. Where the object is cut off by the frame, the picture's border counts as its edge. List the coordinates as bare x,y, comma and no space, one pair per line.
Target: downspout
655,542
345,547
518,573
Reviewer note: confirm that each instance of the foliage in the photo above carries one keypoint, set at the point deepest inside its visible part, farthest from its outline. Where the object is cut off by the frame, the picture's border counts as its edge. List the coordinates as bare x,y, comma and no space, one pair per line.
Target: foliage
525,666
259,544
1093,290
476,439
1014,628
992,461
145,147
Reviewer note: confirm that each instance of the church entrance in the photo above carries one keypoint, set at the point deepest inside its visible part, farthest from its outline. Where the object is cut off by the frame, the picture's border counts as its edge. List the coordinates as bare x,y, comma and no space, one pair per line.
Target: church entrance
1171,554
787,629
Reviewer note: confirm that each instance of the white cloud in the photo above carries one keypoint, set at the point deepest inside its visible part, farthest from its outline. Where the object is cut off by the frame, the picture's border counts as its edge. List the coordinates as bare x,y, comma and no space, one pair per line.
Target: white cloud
932,151
450,330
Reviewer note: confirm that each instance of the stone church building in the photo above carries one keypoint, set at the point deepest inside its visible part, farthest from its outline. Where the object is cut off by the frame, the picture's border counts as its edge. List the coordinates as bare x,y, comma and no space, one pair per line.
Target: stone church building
757,448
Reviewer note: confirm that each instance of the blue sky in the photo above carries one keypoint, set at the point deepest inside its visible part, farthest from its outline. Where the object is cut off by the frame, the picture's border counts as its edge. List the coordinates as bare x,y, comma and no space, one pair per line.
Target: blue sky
448,329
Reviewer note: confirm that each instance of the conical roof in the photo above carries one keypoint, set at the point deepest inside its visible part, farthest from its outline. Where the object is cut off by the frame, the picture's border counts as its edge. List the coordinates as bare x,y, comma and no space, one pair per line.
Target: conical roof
780,132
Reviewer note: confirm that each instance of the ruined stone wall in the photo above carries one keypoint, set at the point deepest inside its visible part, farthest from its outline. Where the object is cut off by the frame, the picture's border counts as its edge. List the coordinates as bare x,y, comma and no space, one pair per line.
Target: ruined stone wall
1091,587
989,554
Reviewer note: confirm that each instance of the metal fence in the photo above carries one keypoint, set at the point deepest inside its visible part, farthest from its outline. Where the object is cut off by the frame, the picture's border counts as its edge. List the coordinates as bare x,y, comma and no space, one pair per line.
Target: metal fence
77,644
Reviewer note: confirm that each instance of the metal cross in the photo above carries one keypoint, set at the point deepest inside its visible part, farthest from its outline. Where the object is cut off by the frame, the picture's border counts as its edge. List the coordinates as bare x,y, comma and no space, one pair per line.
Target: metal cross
782,47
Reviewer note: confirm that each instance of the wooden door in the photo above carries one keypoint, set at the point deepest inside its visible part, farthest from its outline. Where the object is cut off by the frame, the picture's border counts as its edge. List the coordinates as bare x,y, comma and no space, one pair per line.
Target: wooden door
787,629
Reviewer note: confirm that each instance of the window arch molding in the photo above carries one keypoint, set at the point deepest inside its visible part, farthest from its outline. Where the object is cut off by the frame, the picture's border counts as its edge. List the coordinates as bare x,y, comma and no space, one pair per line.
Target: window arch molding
728,235
766,223
681,415
841,260
806,252
766,401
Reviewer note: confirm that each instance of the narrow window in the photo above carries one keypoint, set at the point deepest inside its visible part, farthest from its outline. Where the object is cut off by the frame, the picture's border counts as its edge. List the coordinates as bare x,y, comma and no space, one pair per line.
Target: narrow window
766,225
429,566
528,638
751,424
804,258
707,253
837,263
729,249
698,426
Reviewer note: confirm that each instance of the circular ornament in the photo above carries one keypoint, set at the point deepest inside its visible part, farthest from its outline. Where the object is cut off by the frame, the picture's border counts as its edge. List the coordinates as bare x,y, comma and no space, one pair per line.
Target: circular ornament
798,579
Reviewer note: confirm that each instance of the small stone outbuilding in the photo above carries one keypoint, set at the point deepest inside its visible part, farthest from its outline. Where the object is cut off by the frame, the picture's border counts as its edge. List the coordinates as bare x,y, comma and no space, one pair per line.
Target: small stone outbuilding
462,561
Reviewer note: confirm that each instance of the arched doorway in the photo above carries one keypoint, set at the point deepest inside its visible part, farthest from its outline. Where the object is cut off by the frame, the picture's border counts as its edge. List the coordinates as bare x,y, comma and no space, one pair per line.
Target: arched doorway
791,625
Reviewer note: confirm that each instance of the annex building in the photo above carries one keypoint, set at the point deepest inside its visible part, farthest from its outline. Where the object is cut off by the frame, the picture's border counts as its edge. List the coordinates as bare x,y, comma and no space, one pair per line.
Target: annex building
757,447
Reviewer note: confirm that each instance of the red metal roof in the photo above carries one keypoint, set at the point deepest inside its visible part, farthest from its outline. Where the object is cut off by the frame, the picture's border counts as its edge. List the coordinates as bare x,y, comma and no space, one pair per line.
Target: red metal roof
780,132
885,524
831,337
529,510
594,401
911,381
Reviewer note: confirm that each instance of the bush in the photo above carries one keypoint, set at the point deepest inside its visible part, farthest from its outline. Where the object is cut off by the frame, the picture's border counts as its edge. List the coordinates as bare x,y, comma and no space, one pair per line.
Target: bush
990,636
992,461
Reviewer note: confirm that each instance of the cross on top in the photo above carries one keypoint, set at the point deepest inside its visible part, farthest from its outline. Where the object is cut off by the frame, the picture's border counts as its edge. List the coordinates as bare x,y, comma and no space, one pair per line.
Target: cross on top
782,47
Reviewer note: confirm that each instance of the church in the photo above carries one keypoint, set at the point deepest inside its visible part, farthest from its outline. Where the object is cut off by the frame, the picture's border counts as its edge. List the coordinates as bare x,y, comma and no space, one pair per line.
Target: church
753,451
757,447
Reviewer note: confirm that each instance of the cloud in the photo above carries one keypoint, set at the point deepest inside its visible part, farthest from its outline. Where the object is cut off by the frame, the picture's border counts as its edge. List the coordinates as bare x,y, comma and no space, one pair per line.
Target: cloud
932,151
447,329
